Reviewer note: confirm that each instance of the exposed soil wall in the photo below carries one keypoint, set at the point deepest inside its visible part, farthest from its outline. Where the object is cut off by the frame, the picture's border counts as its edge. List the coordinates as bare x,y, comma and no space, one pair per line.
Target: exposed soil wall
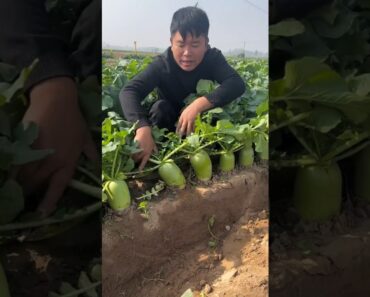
177,230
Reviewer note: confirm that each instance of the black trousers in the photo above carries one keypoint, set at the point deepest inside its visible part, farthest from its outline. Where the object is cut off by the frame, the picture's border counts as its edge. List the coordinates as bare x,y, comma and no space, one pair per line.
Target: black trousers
164,115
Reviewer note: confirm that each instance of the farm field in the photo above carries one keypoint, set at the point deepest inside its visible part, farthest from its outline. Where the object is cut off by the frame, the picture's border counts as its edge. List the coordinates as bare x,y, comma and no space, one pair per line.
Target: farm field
319,152
206,231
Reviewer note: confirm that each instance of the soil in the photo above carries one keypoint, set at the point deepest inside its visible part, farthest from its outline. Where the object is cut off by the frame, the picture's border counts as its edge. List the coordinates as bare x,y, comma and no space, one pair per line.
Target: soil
329,259
174,248
35,268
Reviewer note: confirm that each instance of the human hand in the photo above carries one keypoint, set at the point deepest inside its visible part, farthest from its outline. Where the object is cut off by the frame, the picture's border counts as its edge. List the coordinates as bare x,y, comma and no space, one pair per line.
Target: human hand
146,143
187,118
62,128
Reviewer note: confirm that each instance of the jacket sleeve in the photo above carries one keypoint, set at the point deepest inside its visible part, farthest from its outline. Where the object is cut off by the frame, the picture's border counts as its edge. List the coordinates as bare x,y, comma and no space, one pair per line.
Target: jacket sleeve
231,84
25,35
135,91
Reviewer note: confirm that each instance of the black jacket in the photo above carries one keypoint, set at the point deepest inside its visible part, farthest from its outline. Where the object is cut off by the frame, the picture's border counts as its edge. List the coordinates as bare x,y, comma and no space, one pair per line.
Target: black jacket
66,39
174,84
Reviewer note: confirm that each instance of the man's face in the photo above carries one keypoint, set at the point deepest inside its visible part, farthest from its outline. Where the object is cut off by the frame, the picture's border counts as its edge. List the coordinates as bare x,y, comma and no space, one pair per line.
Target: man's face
188,53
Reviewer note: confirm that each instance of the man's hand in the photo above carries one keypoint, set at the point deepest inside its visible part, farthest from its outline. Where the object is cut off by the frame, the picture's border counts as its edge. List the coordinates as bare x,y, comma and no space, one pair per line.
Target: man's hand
62,128
146,143
187,118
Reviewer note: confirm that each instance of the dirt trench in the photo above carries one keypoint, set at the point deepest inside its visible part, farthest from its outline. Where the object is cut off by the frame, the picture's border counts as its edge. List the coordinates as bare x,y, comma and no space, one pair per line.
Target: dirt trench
173,250
330,262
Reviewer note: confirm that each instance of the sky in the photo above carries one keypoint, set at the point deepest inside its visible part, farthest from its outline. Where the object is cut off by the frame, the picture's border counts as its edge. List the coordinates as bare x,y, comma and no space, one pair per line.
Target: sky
233,23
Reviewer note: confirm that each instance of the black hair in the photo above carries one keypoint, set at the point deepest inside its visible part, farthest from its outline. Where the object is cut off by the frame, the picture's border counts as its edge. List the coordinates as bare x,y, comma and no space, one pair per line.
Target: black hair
191,20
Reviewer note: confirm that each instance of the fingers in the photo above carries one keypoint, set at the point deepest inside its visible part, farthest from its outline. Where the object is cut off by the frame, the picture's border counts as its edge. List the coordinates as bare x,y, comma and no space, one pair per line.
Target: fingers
179,126
184,127
138,156
190,127
144,157
147,145
144,161
58,182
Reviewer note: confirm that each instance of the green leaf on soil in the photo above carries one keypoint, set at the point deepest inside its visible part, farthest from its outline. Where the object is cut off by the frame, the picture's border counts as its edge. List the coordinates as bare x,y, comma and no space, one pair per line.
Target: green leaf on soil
84,282
66,288
96,273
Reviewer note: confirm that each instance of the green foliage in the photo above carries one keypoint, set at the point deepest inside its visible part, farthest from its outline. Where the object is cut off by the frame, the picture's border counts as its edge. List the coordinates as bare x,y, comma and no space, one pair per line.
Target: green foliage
16,139
320,101
243,122
86,285
115,76
117,147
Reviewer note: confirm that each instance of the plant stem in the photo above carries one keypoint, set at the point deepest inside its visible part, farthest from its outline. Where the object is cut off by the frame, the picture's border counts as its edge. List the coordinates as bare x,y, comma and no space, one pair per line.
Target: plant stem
223,148
352,151
83,290
154,161
205,145
292,163
119,165
210,232
303,142
174,151
290,121
347,145
114,163
68,217
89,174
238,147
142,171
86,188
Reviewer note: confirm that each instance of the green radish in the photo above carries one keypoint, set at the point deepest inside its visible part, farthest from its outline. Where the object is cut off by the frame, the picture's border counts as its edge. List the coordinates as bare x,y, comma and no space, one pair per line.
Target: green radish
118,194
227,161
172,174
318,192
4,289
264,155
246,156
104,197
362,175
202,165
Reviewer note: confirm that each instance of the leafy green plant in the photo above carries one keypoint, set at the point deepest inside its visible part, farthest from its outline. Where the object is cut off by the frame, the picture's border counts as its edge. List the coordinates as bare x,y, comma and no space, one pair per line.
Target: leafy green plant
319,98
117,150
16,139
217,131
